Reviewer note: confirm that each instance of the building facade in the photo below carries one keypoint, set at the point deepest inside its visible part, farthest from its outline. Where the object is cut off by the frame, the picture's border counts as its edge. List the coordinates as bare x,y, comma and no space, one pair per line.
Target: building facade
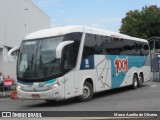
17,19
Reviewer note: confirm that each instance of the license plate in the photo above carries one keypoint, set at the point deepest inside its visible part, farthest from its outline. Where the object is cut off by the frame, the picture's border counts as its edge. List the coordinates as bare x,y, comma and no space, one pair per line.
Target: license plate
35,96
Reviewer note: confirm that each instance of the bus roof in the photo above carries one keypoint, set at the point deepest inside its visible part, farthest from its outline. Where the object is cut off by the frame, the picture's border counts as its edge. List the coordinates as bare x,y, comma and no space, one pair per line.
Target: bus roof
77,28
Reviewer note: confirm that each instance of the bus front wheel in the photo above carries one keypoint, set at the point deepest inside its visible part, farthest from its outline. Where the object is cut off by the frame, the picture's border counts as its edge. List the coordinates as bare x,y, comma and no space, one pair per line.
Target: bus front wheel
87,92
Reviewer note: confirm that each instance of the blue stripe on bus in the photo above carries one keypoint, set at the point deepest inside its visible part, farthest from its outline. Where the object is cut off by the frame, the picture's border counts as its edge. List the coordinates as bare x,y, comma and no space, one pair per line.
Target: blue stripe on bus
50,81
46,82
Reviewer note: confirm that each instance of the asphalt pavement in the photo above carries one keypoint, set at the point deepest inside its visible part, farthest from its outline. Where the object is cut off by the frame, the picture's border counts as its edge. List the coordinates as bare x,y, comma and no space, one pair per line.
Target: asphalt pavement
145,98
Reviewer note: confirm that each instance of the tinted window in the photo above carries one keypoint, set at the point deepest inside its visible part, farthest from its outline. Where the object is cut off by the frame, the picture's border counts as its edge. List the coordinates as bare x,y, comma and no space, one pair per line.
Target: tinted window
89,45
117,46
69,58
145,49
112,46
131,47
106,42
98,44
70,52
128,47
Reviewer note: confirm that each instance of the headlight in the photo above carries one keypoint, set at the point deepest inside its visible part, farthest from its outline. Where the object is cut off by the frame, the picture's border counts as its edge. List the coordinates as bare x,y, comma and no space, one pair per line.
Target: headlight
19,87
54,86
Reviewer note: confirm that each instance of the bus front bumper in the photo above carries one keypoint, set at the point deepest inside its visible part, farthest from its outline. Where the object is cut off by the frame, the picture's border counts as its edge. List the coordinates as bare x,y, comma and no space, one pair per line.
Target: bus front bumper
53,94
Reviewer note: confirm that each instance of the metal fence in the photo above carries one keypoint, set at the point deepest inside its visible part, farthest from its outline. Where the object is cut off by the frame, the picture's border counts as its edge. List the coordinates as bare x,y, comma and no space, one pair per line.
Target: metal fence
155,68
154,43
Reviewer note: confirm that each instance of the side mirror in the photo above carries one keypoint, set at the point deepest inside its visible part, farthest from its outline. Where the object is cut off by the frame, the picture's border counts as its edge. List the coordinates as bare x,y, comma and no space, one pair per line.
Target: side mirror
60,48
12,53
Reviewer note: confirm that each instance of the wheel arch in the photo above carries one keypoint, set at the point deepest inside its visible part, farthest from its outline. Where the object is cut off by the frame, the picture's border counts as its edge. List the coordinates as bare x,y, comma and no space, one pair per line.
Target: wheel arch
141,75
90,80
135,73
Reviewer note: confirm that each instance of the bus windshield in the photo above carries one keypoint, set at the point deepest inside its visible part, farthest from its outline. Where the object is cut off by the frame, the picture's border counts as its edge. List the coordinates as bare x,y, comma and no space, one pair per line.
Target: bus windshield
37,59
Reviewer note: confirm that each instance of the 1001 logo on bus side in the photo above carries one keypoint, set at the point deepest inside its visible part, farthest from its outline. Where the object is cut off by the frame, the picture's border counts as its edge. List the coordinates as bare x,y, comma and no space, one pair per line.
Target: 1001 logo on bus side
121,65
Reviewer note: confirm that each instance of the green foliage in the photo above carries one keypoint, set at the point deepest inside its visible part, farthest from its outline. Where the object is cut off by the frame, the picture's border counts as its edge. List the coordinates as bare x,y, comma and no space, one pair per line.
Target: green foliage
142,24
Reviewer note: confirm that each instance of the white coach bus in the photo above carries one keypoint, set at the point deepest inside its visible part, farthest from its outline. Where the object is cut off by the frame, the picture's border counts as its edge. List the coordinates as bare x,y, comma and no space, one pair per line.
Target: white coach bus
78,61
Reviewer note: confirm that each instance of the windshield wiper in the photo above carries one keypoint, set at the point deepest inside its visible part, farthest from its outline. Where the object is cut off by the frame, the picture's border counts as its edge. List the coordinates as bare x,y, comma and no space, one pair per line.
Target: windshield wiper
28,67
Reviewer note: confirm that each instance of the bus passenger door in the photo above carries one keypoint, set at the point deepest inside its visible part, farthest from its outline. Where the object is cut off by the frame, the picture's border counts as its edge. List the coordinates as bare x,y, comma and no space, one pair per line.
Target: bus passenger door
69,84
69,74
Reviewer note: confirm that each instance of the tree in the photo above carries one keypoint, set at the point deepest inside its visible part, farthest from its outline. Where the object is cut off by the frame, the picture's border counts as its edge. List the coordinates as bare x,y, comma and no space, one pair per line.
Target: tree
142,24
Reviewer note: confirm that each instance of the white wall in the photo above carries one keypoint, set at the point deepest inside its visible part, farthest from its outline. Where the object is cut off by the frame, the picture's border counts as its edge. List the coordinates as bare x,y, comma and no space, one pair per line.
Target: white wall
36,18
18,18
22,17
2,33
1,58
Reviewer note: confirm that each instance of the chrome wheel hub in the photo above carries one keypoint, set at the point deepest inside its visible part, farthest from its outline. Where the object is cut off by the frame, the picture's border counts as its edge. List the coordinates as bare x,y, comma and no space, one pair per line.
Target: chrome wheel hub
86,91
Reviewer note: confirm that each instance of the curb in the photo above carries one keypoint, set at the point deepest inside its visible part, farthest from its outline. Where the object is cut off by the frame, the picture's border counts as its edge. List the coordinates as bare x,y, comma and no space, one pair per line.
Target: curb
7,95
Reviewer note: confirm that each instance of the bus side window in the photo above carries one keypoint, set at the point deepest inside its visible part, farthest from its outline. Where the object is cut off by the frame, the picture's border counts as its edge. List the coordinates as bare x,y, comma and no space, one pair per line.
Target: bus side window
70,52
116,46
145,49
106,45
129,47
141,52
68,58
98,46
89,45
136,47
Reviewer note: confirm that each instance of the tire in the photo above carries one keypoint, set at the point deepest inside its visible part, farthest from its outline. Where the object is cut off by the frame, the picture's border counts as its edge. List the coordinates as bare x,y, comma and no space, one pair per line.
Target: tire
87,92
135,82
140,81
50,101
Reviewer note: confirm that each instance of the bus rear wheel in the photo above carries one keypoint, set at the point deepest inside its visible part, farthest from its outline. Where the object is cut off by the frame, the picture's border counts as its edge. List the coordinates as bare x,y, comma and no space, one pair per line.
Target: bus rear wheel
87,92
140,81
135,81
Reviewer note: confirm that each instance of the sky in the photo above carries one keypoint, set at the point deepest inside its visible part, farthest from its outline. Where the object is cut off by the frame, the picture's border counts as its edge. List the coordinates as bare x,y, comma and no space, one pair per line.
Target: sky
105,14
